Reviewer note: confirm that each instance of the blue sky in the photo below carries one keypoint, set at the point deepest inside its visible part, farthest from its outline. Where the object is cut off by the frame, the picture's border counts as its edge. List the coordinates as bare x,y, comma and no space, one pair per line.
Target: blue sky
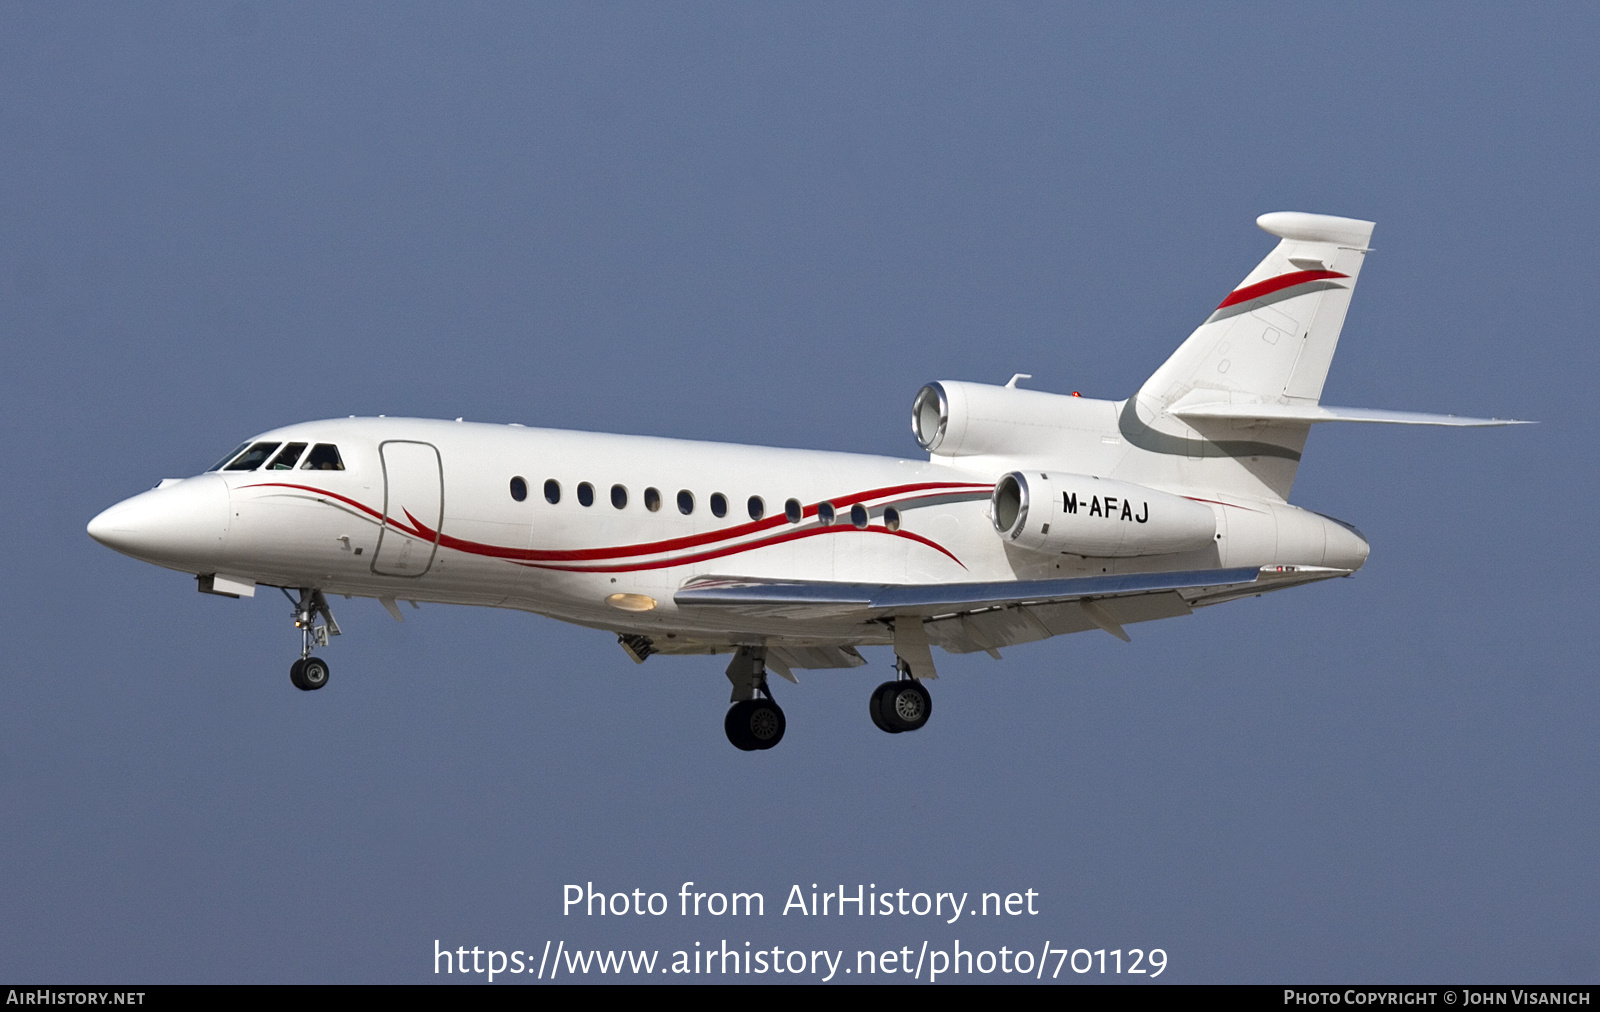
772,224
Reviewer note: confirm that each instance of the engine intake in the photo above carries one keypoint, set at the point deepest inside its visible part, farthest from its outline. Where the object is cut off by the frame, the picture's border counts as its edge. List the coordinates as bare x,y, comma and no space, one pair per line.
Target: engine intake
1097,517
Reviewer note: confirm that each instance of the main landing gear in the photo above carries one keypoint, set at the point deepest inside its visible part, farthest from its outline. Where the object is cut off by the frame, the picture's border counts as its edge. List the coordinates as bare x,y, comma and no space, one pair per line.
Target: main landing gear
309,672
755,720
901,705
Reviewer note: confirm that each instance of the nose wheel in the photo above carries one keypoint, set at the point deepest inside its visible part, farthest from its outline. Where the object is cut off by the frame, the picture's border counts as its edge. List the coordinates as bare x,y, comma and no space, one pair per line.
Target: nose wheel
311,673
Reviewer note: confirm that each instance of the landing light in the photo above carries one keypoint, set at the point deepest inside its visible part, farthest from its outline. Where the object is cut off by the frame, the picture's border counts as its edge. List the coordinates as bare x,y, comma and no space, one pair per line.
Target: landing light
632,602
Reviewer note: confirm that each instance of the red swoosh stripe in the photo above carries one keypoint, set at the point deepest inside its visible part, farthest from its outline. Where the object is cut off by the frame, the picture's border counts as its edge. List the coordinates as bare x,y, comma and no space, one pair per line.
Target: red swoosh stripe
534,557
1261,289
1219,502
740,530
629,551
333,495
686,560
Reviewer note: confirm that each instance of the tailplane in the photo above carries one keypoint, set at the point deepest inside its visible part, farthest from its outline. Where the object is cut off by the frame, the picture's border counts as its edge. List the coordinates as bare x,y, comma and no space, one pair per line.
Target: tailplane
1231,409
1270,342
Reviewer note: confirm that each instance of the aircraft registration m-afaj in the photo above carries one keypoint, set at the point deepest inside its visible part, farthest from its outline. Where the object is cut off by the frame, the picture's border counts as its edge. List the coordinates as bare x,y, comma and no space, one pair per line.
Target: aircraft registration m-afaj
1034,515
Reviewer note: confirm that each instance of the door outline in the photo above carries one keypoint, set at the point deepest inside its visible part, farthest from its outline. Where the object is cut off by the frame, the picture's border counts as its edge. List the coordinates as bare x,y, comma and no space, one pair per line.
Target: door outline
383,530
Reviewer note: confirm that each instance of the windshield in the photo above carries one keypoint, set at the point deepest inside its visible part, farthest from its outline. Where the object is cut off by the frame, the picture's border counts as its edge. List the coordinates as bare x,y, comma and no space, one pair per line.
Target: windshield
231,454
286,457
252,458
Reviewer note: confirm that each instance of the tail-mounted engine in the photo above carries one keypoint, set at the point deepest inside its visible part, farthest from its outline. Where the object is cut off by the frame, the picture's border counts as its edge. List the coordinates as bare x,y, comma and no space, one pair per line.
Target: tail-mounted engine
1080,515
959,419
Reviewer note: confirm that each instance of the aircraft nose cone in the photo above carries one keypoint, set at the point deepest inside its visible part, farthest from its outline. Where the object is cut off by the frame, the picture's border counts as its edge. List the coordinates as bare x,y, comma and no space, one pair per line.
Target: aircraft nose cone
177,525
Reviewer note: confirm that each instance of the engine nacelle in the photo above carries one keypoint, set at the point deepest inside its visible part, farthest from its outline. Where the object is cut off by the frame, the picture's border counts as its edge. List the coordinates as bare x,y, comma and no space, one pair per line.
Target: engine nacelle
1096,517
960,419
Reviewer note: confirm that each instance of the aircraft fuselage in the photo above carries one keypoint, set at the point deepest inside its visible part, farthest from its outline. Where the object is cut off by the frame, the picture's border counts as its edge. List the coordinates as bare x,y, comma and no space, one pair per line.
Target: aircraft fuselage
426,510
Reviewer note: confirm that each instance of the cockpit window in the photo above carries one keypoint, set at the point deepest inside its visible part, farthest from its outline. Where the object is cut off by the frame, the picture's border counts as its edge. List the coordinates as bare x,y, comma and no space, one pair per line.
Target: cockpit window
286,458
231,454
323,457
252,458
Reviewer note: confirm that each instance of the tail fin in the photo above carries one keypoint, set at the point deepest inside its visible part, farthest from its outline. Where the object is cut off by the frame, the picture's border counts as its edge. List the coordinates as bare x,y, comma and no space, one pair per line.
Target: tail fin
1269,342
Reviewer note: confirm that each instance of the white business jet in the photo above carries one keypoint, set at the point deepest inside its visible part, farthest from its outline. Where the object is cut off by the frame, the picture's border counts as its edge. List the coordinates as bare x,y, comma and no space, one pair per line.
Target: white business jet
1034,515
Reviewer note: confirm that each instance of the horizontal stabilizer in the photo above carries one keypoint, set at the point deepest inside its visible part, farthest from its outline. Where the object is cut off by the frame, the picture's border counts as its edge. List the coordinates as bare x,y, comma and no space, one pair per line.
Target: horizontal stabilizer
1314,413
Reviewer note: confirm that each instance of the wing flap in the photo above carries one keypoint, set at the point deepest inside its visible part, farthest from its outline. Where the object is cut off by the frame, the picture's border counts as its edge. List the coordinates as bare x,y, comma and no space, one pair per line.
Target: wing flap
795,656
989,630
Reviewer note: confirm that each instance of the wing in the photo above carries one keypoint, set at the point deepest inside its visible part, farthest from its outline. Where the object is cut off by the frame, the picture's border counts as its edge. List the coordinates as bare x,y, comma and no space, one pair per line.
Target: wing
964,617
817,599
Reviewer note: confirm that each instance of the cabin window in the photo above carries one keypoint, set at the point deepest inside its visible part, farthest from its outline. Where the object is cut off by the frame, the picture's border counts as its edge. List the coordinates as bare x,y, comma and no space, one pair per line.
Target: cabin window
685,501
585,494
323,457
652,499
231,454
858,517
758,509
552,491
891,518
619,496
252,458
719,504
825,513
791,509
519,489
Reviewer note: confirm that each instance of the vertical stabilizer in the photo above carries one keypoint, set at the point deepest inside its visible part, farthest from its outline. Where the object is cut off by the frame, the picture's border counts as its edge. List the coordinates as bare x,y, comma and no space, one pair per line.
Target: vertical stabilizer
1269,342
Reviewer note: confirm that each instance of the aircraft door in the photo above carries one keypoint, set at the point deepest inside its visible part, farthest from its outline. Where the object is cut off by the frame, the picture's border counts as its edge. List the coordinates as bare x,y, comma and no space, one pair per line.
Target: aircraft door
413,508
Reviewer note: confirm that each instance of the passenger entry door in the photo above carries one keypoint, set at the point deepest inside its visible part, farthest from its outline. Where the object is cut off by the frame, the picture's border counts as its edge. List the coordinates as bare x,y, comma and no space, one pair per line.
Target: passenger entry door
413,500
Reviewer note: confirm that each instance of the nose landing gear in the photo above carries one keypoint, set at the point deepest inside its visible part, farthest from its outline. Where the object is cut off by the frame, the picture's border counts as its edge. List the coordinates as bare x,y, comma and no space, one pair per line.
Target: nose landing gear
755,721
310,673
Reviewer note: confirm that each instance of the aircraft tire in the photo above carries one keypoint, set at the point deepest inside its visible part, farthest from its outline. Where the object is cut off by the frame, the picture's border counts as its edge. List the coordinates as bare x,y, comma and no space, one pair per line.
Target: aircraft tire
907,706
313,673
737,726
754,724
876,707
294,674
767,723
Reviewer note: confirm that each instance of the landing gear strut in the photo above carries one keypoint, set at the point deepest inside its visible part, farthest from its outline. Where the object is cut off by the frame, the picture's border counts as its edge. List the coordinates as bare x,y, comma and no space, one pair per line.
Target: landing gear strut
755,720
309,672
901,705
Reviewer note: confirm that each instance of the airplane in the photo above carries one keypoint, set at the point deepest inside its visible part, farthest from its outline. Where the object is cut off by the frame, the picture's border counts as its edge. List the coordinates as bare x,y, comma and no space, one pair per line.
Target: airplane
1034,514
